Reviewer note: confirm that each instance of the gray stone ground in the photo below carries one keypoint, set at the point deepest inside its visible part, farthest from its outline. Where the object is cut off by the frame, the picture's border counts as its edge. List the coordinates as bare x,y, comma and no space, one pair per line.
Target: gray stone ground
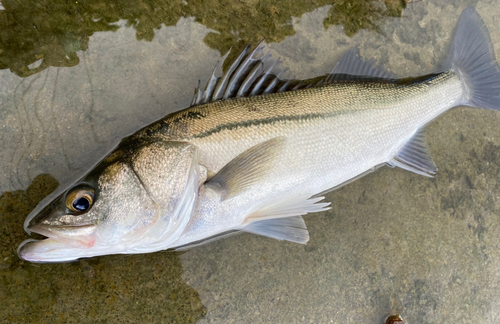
394,242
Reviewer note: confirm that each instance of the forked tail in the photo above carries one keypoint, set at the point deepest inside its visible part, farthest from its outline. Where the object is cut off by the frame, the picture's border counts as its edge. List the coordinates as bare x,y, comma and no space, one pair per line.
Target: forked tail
472,57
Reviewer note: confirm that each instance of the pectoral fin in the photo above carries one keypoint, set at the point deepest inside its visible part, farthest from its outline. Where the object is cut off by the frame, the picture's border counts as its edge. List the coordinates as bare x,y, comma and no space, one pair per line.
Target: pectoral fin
246,169
415,156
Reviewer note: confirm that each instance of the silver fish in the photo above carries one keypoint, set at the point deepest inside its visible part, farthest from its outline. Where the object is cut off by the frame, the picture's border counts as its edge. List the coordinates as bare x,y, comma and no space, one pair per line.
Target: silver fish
255,152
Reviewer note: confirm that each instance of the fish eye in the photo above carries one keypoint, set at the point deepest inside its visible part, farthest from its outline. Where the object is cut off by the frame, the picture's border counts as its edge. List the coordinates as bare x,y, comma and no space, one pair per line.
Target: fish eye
80,199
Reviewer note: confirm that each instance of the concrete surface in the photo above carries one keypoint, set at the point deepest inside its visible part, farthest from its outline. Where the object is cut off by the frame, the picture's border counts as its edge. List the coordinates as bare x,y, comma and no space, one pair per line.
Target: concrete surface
394,242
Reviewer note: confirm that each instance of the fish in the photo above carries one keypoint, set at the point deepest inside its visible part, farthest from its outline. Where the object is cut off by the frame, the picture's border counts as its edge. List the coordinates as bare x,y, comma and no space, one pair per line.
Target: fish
256,151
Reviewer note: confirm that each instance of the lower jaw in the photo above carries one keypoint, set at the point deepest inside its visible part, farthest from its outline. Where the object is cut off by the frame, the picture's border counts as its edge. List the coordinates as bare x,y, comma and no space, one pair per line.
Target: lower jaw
37,250
50,250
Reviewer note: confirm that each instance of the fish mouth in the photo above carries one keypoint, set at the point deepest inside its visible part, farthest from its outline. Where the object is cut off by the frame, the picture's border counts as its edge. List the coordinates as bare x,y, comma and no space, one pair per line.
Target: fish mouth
60,244
41,251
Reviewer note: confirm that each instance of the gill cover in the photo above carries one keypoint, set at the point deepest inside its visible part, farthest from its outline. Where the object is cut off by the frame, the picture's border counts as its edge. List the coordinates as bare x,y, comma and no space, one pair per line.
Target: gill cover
169,172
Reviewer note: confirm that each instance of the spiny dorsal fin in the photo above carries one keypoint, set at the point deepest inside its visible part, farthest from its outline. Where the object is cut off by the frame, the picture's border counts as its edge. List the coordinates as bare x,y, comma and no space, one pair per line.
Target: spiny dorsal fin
258,88
241,72
222,84
254,73
415,156
214,78
247,168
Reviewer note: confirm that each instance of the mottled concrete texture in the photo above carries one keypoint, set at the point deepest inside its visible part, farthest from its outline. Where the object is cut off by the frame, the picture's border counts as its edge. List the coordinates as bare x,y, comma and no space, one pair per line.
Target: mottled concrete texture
134,289
394,242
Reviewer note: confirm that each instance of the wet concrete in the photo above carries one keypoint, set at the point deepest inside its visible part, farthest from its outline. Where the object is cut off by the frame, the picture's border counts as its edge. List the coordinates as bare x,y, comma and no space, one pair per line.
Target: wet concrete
394,242
134,289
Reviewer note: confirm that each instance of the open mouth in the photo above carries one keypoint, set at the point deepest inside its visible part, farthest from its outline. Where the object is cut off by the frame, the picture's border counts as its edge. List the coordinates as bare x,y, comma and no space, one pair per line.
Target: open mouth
56,243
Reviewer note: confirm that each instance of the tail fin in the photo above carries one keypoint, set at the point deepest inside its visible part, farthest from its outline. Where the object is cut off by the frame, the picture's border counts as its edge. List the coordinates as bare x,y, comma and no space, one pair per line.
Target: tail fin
472,57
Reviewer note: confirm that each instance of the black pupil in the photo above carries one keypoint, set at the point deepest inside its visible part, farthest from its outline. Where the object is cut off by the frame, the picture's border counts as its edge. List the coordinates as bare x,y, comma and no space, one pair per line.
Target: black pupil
81,204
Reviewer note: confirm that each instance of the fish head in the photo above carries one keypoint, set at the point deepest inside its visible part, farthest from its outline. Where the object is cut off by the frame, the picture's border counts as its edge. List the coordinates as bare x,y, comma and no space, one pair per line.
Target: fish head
137,200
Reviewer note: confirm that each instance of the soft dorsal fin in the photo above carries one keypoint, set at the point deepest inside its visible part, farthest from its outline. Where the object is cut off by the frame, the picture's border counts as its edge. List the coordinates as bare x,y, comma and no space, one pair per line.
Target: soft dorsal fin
247,168
351,66
415,156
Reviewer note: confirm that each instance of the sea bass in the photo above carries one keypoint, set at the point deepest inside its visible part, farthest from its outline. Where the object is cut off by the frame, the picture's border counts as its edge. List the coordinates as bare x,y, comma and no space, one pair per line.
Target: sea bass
255,152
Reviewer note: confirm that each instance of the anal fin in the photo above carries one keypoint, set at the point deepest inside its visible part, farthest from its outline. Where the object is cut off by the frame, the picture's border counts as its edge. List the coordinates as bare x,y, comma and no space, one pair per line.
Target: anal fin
415,156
